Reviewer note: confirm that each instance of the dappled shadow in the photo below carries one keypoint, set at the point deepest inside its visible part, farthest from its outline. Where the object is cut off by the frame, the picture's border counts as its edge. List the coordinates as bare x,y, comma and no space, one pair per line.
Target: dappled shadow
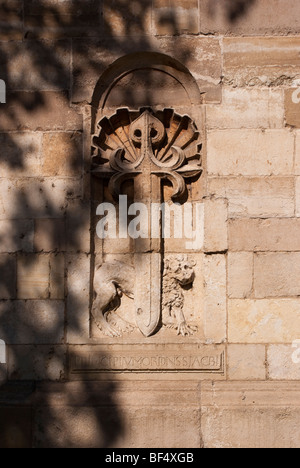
233,10
41,227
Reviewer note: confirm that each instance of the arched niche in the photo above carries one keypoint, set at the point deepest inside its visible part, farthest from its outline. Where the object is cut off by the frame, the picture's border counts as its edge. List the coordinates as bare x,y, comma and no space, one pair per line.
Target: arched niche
144,79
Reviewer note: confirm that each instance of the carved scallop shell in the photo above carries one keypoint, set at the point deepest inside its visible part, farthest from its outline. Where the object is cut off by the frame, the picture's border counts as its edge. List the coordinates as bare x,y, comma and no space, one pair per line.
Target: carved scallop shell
115,133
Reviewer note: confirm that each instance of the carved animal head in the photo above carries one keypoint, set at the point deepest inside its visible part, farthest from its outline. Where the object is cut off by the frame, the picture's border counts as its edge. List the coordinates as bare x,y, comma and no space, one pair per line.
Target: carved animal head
181,269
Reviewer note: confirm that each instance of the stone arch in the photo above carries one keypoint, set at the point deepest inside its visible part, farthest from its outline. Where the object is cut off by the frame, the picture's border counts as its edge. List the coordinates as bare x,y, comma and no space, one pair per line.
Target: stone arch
168,71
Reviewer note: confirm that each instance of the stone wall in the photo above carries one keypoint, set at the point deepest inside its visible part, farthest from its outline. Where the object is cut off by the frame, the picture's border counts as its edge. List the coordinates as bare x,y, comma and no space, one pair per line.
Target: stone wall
244,57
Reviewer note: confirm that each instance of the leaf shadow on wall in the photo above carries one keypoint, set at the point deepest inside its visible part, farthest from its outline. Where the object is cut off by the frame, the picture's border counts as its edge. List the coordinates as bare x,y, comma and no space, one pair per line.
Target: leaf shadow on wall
39,407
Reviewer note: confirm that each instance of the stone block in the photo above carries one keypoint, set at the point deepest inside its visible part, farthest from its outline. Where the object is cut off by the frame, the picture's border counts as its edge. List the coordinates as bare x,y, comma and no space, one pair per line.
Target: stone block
16,427
263,235
124,19
261,61
173,17
11,23
240,274
277,274
292,108
8,274
49,235
297,153
249,18
16,235
297,188
263,321
48,111
215,303
37,198
33,276
247,108
57,276
37,362
78,268
215,225
62,154
254,197
283,362
52,19
250,414
32,322
36,65
250,152
78,226
246,362
20,154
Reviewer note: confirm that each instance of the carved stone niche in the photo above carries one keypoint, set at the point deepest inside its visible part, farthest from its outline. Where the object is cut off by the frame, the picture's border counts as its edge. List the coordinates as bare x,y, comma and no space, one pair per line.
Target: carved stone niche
147,283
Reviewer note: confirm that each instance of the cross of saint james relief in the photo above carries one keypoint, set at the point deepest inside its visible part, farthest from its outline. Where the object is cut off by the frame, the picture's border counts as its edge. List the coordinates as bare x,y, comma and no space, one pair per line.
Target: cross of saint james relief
145,146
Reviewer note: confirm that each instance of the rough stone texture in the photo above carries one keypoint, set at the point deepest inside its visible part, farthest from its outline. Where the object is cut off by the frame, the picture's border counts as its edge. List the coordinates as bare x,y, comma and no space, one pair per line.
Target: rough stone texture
50,235
250,18
247,108
123,19
263,235
16,235
8,276
246,362
256,197
57,276
11,23
277,274
33,276
32,322
16,432
250,152
263,321
297,154
240,274
176,17
62,154
215,298
297,196
215,225
283,362
261,61
250,415
20,154
37,362
292,107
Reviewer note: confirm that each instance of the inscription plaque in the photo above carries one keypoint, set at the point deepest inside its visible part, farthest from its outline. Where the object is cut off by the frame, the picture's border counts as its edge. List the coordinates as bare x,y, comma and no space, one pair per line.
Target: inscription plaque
98,359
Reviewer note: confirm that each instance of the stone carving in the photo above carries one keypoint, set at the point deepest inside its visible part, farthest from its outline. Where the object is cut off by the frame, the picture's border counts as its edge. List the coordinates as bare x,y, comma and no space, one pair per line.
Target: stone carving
178,274
114,279
147,147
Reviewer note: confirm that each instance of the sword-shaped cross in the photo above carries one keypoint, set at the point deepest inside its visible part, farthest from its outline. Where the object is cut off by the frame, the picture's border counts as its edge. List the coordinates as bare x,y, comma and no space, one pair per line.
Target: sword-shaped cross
135,153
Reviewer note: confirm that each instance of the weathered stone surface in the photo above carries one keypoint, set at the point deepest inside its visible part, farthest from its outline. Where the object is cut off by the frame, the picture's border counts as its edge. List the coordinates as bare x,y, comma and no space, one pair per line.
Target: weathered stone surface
33,276
215,298
292,107
52,19
250,152
283,362
57,276
62,154
250,414
249,18
37,362
78,226
8,275
173,17
263,321
17,430
215,225
49,235
246,362
11,23
240,274
36,198
129,20
277,274
16,235
264,235
247,108
78,267
22,70
20,154
32,322
297,154
256,197
297,187
49,111
261,61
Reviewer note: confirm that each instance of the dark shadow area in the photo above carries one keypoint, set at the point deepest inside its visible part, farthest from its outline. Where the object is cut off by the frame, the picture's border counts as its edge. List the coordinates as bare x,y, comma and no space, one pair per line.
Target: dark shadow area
40,224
